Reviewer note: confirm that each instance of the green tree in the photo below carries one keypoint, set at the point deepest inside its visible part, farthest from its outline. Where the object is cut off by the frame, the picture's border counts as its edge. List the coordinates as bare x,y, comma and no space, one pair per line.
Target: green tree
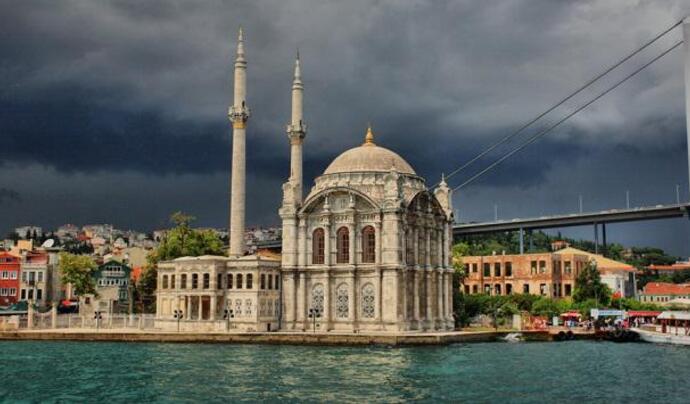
588,285
78,271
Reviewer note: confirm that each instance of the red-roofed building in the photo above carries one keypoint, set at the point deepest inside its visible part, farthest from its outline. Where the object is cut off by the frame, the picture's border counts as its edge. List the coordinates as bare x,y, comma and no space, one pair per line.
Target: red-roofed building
662,293
669,269
9,279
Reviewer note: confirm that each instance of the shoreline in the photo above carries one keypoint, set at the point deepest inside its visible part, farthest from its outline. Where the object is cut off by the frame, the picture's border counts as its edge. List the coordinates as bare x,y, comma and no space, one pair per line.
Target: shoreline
276,338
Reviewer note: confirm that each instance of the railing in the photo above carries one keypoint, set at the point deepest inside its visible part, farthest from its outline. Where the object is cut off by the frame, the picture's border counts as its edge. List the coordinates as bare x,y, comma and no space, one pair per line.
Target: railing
50,321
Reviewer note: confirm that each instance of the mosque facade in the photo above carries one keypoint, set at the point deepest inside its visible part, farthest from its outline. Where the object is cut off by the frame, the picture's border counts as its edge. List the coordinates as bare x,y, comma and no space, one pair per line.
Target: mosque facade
367,249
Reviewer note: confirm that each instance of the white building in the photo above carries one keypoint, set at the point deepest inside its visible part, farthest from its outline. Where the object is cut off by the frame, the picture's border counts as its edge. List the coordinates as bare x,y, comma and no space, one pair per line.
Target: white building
368,249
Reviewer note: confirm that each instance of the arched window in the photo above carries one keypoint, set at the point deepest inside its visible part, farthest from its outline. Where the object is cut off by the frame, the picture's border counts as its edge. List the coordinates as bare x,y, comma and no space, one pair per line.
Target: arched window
183,281
195,281
219,281
343,235
165,282
239,281
317,298
368,301
342,301
368,245
318,245
262,282
207,281
270,281
229,281
172,281
250,281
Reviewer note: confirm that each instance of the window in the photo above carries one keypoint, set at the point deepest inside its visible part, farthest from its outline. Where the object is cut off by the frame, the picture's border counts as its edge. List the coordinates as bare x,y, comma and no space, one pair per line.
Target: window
262,282
317,298
229,281
533,267
248,306
183,281
31,294
568,290
343,236
509,268
238,308
568,267
207,281
318,244
23,294
497,269
23,276
542,289
474,267
368,303
525,288
467,289
39,274
342,301
270,281
165,282
475,289
172,281
487,289
3,292
239,281
487,269
219,281
13,275
497,289
5,275
250,281
39,294
195,281
277,282
509,289
369,245
542,267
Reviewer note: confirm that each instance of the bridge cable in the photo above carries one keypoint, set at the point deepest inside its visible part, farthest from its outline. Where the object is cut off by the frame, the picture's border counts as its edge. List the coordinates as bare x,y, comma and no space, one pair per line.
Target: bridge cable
561,102
550,128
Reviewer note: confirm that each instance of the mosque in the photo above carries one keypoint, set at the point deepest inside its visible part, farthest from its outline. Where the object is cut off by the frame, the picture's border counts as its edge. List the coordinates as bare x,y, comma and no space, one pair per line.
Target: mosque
368,248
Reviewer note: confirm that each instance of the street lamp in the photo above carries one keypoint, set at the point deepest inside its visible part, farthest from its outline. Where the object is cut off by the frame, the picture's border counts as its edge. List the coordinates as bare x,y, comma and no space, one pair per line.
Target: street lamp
178,316
97,315
227,315
314,314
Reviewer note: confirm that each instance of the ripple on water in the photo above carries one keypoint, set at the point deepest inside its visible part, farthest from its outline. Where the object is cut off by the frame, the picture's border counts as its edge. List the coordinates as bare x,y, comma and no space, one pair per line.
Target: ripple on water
485,372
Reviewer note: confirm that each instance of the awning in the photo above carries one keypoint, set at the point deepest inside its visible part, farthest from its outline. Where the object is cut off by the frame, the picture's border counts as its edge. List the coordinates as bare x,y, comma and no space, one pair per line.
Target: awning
643,313
675,315
571,314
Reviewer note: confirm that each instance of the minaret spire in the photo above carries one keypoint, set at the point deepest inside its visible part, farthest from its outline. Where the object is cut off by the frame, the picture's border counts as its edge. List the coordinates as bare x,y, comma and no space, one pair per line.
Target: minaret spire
297,130
238,115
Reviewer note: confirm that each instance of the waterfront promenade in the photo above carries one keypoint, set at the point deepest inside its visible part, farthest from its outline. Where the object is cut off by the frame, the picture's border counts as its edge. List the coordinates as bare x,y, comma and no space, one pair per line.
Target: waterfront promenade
281,338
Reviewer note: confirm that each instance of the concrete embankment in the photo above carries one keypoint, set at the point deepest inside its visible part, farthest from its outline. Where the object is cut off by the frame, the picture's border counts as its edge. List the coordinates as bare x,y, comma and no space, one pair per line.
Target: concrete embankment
399,339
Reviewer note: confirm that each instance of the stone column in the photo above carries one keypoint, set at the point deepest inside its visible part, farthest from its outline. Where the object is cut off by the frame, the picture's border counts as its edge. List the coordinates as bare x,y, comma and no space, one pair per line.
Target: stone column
440,298
377,230
351,306
302,243
353,243
429,300
302,298
327,244
213,308
415,313
53,316
415,234
327,301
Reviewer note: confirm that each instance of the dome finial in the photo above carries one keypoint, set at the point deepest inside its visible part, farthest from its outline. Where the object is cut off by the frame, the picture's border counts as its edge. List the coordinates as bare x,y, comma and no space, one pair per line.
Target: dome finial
369,138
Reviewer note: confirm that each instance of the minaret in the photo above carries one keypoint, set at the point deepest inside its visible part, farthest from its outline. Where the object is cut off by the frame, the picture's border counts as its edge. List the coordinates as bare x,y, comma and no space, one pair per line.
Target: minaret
296,130
238,114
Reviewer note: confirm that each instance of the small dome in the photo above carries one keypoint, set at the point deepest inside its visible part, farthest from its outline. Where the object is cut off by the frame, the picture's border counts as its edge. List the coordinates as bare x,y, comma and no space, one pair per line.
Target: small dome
369,158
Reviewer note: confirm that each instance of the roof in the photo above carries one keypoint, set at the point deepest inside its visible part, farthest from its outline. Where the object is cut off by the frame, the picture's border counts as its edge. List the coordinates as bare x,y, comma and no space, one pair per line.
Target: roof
675,315
679,266
603,263
369,158
664,288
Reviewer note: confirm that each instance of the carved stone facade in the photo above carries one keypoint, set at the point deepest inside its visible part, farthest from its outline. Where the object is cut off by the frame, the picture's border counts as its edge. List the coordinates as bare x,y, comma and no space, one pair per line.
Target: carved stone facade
368,249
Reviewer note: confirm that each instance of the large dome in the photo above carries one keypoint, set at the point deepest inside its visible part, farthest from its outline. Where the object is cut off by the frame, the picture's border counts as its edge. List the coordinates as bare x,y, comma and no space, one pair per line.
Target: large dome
369,158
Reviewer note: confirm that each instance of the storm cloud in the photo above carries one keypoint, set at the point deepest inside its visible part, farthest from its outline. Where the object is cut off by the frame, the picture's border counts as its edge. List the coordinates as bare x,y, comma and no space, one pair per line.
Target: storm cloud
117,111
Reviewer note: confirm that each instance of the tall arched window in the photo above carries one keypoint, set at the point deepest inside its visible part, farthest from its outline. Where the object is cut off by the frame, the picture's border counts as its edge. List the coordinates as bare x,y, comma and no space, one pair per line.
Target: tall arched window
368,304
343,236
207,281
342,301
250,281
239,281
368,245
195,281
228,284
165,282
318,245
172,281
183,281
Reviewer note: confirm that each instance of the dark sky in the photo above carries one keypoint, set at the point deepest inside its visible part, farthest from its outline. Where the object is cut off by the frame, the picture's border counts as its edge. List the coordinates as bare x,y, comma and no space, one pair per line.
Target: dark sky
117,111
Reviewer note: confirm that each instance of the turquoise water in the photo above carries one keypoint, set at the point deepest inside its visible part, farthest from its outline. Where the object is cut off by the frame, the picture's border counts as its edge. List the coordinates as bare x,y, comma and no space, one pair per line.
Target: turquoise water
582,371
